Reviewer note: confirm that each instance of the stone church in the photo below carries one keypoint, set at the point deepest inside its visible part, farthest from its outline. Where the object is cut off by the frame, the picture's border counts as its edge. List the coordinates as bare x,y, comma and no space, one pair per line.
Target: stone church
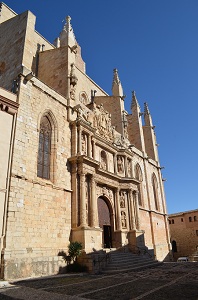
75,165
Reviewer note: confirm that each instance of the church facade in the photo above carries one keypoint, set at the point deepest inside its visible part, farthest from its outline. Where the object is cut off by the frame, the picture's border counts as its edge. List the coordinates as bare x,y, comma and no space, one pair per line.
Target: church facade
76,166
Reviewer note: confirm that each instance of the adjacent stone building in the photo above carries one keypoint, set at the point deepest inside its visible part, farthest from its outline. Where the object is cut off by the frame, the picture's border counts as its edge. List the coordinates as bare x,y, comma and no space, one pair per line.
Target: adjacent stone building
76,165
184,234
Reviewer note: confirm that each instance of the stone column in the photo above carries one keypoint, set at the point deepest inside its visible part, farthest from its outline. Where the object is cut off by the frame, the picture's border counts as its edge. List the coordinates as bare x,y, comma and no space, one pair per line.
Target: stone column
119,225
93,149
137,209
94,206
75,141
79,140
132,169
115,163
132,215
89,145
125,167
83,219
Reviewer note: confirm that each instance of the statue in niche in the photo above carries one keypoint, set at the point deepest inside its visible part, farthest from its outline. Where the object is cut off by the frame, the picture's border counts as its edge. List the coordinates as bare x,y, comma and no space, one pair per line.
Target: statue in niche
122,200
83,144
126,132
120,164
123,219
103,163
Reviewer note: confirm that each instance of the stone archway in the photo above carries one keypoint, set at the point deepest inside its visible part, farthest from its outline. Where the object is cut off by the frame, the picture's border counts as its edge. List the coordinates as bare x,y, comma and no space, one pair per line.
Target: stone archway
104,221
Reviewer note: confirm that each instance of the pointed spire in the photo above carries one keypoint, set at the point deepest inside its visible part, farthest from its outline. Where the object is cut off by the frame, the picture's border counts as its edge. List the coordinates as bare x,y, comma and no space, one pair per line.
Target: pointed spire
149,134
116,85
67,36
135,104
147,116
116,79
134,101
146,109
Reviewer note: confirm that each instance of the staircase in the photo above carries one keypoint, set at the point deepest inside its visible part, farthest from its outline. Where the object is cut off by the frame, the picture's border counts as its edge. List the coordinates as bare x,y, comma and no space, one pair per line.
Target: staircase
127,261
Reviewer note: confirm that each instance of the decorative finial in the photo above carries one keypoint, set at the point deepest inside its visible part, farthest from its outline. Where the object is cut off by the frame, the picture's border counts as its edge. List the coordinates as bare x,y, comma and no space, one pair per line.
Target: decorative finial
68,19
116,79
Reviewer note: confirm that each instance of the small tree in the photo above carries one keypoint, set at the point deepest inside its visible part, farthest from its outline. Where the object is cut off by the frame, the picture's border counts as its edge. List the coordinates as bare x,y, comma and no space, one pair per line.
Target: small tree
74,250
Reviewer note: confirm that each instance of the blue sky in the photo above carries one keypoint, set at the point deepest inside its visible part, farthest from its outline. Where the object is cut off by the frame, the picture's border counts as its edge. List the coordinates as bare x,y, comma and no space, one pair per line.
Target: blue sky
154,46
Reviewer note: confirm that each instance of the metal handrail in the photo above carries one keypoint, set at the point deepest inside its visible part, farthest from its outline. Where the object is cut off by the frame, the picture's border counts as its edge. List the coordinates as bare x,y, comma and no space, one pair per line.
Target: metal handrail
105,258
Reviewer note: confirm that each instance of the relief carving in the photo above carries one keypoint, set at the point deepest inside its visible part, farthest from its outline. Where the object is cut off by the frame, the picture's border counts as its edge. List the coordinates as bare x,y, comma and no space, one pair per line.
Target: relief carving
103,190
84,144
84,98
82,113
102,123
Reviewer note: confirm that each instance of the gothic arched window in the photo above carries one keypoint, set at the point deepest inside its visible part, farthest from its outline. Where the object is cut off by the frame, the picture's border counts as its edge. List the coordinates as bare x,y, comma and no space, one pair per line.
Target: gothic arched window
155,191
44,150
138,176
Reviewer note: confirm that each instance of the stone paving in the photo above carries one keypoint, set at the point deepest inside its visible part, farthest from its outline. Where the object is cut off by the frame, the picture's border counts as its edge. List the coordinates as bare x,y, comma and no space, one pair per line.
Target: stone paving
176,281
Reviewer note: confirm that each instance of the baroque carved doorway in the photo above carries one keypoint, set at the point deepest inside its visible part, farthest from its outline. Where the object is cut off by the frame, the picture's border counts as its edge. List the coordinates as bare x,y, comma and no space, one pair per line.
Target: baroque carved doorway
104,219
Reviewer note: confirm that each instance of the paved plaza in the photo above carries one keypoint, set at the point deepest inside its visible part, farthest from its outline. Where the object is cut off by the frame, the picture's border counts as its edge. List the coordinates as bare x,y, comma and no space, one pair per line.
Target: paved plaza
176,281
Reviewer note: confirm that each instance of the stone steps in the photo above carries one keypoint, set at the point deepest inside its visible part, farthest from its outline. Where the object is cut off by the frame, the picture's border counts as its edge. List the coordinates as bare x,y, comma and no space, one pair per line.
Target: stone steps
123,262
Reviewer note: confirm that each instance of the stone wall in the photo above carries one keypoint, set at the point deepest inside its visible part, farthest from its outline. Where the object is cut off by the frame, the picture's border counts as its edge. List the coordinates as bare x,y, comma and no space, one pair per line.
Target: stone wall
39,213
184,231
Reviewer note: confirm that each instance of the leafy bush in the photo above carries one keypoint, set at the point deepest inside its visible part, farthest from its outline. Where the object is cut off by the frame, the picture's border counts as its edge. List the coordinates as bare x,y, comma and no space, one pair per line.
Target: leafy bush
74,250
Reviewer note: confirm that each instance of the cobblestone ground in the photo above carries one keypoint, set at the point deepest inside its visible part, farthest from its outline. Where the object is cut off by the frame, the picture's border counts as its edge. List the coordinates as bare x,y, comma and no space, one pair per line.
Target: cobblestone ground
176,281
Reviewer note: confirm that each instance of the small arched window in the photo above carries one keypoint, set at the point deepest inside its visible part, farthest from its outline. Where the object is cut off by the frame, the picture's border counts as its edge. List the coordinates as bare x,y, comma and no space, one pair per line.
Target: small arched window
155,191
138,176
44,150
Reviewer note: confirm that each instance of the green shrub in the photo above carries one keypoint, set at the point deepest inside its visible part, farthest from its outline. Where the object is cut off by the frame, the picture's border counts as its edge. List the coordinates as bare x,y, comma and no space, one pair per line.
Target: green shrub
74,250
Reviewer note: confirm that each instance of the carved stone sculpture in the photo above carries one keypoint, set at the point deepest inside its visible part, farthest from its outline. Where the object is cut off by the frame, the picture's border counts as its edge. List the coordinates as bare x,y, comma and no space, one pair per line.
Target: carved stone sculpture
122,200
84,144
123,219
120,164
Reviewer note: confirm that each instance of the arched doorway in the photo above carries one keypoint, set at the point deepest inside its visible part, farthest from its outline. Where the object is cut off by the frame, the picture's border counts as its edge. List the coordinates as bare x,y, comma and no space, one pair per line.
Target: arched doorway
104,220
174,246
